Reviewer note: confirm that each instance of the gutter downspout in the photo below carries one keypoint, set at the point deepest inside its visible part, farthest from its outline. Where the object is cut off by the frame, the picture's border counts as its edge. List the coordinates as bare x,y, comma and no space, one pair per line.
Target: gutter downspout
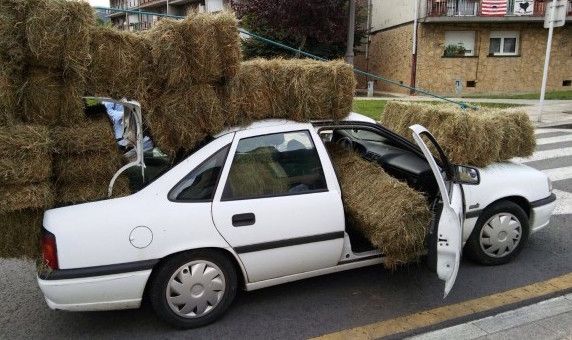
414,51
369,8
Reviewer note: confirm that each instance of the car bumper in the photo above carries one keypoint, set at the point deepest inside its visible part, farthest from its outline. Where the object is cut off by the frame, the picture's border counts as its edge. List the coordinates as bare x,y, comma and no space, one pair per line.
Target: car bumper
109,292
541,212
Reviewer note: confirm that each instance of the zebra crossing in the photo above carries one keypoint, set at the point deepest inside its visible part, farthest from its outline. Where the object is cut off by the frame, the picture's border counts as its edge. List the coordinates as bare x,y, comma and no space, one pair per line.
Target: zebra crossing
553,156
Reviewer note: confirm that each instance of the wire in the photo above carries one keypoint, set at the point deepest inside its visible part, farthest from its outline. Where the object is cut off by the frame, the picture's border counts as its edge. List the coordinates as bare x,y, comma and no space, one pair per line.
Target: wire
462,104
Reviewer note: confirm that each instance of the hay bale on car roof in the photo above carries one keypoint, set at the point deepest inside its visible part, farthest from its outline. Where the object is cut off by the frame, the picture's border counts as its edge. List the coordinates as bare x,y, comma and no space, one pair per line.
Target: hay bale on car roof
75,193
202,48
50,99
121,64
389,213
57,33
471,137
30,196
296,89
182,118
20,234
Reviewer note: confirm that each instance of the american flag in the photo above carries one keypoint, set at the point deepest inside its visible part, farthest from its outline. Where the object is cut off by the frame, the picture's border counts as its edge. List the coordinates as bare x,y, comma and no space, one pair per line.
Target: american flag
493,7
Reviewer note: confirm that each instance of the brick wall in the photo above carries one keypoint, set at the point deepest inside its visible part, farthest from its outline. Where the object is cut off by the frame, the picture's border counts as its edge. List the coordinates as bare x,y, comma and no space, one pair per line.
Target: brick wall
390,57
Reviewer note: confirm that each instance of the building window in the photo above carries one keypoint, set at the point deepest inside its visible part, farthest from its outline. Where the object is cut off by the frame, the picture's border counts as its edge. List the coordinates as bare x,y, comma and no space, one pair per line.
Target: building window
459,43
504,43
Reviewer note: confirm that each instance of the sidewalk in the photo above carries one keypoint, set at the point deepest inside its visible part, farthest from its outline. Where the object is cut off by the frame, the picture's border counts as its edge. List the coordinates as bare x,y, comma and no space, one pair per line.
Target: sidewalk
549,319
555,112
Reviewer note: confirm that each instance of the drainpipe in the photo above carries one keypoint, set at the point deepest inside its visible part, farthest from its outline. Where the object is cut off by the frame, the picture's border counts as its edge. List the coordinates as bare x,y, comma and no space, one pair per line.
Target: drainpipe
414,52
351,32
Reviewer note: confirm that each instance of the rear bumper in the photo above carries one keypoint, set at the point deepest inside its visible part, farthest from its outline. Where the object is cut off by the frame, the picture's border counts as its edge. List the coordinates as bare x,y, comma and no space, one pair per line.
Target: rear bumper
541,212
117,291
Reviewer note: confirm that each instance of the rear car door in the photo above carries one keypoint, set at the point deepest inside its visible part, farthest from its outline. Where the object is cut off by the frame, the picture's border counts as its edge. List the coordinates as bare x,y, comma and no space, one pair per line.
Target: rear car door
277,205
447,237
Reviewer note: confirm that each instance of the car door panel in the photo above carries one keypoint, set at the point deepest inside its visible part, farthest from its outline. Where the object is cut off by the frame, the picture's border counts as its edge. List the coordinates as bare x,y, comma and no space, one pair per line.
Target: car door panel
448,239
284,234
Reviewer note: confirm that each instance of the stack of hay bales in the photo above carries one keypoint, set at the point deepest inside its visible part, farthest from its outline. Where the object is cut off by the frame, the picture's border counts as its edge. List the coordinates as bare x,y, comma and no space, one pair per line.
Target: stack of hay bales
193,60
25,187
296,89
85,159
393,216
469,137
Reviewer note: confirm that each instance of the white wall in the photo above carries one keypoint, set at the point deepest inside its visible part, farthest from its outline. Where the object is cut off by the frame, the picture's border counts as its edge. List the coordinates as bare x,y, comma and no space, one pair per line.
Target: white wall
389,13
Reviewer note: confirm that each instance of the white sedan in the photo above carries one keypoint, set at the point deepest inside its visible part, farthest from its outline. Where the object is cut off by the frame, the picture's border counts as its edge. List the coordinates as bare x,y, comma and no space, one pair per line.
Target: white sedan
226,218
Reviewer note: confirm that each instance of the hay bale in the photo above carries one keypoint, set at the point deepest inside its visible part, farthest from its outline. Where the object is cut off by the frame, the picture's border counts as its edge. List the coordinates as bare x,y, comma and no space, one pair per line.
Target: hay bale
393,216
93,136
75,193
476,138
121,64
25,169
57,33
202,48
21,231
296,89
50,99
31,196
86,168
184,117
24,139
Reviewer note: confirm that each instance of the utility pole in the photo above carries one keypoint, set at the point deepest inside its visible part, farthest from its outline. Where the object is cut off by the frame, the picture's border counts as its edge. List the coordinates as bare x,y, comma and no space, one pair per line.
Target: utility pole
414,52
351,33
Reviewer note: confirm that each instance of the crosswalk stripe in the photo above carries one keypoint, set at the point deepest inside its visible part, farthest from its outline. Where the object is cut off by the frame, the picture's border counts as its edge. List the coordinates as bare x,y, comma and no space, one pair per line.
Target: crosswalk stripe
563,202
539,131
543,155
559,174
550,140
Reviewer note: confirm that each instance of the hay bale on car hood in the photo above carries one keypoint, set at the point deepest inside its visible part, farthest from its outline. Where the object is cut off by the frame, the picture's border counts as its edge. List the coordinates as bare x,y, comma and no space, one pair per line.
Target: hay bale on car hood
470,137
393,216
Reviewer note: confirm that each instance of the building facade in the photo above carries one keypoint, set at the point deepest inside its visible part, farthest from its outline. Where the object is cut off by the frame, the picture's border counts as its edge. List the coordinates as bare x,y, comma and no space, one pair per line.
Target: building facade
467,46
136,22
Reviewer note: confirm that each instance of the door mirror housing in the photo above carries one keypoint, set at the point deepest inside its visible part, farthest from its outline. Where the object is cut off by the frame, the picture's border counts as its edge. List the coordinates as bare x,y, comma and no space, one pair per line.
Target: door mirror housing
467,175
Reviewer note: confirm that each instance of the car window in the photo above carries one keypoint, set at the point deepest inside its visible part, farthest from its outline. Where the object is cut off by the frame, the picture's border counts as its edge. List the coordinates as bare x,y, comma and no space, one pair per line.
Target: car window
365,135
200,184
274,165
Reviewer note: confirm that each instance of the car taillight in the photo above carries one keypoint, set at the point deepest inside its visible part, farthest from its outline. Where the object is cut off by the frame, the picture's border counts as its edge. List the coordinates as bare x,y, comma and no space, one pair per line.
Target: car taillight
49,250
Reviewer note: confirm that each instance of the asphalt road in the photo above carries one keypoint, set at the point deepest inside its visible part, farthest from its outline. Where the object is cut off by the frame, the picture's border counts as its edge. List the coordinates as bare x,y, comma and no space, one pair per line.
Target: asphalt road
314,306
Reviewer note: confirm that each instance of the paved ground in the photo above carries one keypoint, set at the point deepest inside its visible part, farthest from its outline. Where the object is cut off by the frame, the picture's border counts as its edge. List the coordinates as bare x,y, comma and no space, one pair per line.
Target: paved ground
320,305
550,319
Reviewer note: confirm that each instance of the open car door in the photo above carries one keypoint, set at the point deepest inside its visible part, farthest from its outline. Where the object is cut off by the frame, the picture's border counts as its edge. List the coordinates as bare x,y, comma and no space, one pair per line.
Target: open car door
445,243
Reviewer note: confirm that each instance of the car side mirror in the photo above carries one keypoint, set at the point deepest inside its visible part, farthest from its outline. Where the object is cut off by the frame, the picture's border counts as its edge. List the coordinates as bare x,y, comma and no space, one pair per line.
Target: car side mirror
467,175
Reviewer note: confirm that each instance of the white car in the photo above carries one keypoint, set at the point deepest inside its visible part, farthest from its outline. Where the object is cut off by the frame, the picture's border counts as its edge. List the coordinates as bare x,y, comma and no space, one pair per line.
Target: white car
218,221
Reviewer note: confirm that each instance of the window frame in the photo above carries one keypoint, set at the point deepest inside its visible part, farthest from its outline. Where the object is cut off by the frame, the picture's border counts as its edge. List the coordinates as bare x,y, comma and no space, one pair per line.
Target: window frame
171,195
502,35
473,52
230,161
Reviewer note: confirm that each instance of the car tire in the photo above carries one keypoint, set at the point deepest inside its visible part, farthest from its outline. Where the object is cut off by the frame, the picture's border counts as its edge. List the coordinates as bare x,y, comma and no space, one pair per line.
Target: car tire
193,289
499,235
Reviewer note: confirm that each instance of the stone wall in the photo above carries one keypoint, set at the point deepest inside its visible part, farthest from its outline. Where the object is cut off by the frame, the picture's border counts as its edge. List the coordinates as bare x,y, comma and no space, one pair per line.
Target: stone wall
390,57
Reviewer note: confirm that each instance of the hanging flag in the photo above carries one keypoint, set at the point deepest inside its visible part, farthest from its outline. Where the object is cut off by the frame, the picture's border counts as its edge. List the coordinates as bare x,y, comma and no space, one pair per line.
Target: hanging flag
493,7
523,7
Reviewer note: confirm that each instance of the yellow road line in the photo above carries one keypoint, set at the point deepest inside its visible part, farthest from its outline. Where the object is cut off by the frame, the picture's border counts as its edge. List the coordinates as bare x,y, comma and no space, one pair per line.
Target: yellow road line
445,313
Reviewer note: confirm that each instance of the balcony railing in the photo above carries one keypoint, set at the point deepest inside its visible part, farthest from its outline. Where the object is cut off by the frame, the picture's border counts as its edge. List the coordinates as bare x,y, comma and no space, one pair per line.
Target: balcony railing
455,8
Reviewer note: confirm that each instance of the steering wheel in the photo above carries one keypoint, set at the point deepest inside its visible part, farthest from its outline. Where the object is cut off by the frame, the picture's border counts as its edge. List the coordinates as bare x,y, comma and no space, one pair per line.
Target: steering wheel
346,143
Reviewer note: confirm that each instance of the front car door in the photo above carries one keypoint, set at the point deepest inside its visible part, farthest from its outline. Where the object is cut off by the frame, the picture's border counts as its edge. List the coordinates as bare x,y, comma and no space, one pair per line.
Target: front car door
447,238
278,204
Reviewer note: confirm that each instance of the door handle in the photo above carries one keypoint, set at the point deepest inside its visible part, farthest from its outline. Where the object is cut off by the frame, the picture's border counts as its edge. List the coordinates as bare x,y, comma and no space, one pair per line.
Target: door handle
242,220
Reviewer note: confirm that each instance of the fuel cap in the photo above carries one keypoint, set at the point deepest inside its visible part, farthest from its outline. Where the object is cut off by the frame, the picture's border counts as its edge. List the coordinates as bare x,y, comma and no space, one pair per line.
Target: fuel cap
141,237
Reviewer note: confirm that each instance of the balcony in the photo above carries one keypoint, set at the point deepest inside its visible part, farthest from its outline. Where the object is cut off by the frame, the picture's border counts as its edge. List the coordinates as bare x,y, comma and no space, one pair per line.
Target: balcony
475,10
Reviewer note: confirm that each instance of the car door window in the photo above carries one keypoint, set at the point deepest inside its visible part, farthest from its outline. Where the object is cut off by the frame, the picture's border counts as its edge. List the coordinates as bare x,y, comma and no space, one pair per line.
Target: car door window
274,165
200,184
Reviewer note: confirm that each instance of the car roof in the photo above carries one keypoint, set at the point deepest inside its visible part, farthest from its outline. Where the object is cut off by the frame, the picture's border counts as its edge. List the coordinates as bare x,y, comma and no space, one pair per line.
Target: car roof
352,116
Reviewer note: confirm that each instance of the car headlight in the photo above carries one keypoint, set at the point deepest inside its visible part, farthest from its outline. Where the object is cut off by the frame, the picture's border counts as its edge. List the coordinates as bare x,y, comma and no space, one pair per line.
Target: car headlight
549,184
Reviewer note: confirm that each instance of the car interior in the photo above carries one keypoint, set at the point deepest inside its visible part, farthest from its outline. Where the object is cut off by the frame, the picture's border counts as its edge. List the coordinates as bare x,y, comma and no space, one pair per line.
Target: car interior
394,159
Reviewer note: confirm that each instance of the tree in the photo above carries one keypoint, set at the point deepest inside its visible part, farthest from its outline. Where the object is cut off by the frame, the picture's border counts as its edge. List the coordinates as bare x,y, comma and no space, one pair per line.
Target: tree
317,26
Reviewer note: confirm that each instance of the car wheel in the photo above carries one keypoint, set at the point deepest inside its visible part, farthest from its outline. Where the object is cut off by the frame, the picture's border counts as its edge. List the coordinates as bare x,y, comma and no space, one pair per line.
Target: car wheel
193,289
499,235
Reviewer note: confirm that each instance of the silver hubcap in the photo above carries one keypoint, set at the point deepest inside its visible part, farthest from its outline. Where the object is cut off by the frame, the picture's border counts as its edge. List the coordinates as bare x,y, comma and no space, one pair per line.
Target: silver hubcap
195,289
500,235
